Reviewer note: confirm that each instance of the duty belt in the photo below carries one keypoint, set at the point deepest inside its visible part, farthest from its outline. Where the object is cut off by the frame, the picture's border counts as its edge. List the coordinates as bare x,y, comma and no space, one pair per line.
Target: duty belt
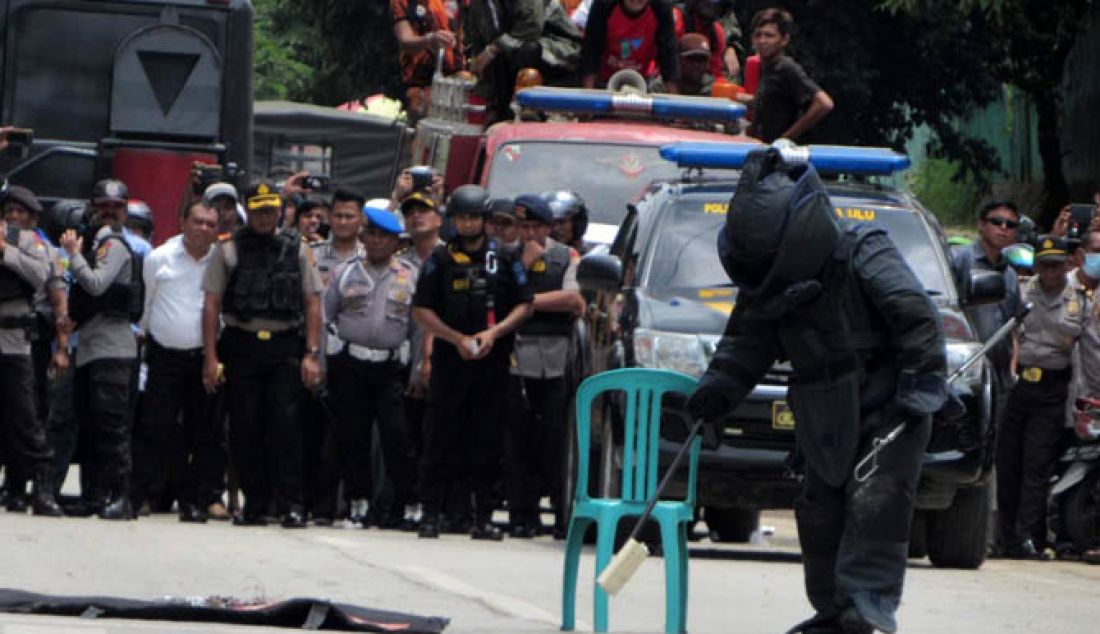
1035,374
18,322
374,355
267,335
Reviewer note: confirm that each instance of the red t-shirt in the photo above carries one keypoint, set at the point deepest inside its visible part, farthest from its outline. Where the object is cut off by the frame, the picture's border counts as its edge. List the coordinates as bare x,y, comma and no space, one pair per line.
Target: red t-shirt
631,43
717,63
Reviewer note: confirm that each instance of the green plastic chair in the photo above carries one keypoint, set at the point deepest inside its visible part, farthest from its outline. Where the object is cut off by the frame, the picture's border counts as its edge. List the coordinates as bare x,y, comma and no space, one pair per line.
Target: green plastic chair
642,389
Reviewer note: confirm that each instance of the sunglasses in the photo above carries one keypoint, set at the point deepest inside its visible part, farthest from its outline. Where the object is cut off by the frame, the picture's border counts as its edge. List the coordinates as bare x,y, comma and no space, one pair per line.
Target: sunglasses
997,221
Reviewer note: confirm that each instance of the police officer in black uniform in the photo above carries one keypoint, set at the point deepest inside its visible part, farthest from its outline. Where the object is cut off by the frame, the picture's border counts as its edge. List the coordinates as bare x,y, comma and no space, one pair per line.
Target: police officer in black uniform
265,286
471,299
537,416
867,350
105,302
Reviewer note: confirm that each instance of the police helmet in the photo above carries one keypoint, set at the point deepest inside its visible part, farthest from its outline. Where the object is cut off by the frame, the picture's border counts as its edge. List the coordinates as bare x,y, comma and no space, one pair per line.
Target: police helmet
66,213
138,214
568,204
531,207
110,190
468,199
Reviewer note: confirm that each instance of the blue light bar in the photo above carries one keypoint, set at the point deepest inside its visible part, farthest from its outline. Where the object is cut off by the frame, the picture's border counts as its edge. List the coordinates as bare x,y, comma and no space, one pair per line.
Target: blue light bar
833,159
582,101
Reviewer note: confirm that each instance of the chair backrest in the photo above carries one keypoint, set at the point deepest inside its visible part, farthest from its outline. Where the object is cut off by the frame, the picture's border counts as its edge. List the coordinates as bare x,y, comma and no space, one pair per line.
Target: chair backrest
641,391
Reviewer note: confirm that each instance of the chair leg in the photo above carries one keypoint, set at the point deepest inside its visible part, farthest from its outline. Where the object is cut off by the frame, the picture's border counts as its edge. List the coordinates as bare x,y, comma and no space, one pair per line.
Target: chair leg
674,591
683,576
605,548
574,542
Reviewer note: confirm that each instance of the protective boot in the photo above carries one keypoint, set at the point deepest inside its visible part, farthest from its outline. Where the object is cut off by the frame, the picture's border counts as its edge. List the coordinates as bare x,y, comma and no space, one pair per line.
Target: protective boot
43,501
483,528
429,525
852,622
15,493
118,508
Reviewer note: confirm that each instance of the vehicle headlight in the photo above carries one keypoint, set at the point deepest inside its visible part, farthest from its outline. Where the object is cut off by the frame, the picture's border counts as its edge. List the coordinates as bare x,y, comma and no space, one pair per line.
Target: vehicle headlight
958,354
670,351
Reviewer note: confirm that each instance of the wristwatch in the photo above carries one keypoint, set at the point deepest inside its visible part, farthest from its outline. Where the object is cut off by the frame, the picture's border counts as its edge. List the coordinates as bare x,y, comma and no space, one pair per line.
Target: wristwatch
313,351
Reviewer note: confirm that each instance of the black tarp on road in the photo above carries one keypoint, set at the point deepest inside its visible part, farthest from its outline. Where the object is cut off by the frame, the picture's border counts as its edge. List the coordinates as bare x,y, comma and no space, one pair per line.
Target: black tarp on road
310,614
366,150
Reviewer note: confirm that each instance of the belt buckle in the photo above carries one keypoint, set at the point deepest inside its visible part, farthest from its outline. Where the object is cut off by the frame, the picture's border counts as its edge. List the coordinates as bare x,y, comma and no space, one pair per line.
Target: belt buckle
263,335
1032,375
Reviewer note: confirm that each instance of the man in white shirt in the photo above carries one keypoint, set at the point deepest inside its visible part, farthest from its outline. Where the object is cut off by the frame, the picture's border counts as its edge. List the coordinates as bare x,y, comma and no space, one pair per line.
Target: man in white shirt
172,323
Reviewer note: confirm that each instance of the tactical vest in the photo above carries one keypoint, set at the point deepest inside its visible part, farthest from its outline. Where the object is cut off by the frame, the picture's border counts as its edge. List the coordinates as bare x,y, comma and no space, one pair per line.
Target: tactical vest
842,369
12,286
547,274
266,283
119,300
469,289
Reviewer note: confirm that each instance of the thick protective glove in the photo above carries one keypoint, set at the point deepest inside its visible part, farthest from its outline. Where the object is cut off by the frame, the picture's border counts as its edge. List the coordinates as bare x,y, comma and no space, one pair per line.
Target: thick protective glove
710,404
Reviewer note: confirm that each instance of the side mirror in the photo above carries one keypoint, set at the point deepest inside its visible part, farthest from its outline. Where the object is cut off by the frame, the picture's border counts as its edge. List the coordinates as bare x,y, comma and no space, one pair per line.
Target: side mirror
985,287
600,273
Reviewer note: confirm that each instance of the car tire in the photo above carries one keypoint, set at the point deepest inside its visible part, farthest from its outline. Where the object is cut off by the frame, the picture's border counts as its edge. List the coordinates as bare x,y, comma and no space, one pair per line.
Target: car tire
1079,513
957,535
731,525
918,535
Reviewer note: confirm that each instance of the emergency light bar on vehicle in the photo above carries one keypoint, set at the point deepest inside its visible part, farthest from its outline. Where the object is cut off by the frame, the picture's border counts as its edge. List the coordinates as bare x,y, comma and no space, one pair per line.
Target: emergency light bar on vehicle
584,101
835,159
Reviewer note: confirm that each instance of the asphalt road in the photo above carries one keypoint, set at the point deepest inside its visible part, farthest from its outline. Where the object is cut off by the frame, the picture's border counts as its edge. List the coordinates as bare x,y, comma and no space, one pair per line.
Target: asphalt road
482,587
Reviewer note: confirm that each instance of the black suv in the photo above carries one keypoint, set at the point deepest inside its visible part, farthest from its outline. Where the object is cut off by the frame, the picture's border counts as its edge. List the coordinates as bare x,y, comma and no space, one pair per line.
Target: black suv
662,300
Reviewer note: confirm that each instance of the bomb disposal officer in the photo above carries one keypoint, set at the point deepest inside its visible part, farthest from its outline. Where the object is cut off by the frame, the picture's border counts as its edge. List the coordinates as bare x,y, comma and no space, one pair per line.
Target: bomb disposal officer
1028,440
868,352
537,417
471,299
369,302
104,301
264,284
24,268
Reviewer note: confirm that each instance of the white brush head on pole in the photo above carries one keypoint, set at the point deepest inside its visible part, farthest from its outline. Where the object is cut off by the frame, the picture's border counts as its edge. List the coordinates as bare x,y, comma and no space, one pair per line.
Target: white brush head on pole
623,566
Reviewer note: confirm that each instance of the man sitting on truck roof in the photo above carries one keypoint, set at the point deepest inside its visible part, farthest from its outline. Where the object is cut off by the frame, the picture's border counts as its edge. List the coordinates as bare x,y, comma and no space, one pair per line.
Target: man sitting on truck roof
695,55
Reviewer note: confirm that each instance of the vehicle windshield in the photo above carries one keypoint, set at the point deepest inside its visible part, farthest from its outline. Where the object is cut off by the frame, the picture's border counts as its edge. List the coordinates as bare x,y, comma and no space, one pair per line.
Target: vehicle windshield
685,255
607,176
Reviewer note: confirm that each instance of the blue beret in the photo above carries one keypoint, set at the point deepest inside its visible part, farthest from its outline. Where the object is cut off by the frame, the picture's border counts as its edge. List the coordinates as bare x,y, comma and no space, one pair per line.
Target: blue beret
532,207
383,219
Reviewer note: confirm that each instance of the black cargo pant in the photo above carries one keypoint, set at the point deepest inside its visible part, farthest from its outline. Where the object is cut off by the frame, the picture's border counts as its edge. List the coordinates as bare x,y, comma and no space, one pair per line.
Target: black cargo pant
264,389
462,433
855,538
102,400
175,403
365,394
27,452
320,459
536,447
1027,450
41,353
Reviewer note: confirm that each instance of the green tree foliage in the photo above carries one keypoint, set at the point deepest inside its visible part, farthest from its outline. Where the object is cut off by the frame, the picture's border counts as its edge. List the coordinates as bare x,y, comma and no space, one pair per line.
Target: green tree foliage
1029,42
334,50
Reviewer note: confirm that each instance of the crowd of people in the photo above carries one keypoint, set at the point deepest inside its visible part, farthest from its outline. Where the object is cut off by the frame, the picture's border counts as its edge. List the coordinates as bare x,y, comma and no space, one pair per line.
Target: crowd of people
684,48
268,347
1040,373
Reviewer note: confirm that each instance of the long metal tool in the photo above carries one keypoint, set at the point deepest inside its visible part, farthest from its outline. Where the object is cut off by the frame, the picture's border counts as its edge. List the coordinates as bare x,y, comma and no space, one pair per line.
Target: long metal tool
867,467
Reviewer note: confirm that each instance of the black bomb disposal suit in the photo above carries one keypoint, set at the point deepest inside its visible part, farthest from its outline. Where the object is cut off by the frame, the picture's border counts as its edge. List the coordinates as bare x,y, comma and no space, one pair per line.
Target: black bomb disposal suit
867,350
466,399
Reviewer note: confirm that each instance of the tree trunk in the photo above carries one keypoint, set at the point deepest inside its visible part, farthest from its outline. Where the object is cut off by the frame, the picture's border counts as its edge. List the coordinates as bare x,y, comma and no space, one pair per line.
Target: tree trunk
1050,152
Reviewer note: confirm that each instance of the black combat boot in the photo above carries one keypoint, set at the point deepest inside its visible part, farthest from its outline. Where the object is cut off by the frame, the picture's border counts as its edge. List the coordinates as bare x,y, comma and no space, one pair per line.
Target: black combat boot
429,525
483,528
43,501
118,508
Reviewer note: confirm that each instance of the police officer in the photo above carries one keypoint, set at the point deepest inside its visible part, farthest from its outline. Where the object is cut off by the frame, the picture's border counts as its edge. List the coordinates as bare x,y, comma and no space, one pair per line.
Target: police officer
570,218
867,350
104,301
537,418
265,286
321,460
471,299
24,268
139,219
369,304
1028,440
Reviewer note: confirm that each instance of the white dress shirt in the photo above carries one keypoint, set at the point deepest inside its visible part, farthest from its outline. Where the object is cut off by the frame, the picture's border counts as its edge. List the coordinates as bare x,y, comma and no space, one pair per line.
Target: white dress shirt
173,296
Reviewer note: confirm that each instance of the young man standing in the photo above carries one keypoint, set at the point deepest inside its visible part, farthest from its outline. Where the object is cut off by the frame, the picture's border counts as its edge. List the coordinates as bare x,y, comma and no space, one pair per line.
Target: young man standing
788,103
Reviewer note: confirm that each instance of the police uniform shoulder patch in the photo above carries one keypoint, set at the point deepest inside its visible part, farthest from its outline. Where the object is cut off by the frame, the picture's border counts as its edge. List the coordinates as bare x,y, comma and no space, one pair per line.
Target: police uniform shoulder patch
103,249
1073,308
